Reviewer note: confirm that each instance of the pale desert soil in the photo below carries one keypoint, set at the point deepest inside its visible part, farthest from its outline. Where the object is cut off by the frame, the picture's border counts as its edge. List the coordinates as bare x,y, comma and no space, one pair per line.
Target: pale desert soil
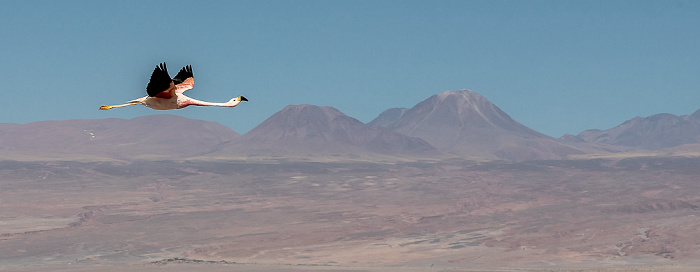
585,215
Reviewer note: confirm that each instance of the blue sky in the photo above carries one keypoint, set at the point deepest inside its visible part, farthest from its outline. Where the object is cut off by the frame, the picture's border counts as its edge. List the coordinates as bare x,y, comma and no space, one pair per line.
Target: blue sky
555,66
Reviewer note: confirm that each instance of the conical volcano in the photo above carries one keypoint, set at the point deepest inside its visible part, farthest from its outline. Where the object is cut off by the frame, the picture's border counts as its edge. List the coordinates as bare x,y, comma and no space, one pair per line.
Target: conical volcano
466,124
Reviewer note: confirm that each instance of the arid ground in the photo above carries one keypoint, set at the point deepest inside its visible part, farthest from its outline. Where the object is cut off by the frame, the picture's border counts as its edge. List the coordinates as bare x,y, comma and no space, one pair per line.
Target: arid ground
633,214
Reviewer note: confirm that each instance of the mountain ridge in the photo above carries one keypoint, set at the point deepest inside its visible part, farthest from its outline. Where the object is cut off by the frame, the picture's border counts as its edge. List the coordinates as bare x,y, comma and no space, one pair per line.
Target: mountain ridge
160,135
312,131
654,132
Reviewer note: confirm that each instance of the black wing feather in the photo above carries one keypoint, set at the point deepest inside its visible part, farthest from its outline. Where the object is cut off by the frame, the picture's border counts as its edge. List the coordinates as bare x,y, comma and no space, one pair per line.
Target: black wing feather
160,80
185,73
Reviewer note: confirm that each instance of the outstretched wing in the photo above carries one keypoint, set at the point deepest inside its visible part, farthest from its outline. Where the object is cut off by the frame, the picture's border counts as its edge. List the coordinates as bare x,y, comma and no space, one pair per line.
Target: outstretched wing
160,84
184,80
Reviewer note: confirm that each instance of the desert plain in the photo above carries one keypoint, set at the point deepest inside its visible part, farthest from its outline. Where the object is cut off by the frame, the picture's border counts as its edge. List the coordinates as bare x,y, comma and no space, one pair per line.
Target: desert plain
206,214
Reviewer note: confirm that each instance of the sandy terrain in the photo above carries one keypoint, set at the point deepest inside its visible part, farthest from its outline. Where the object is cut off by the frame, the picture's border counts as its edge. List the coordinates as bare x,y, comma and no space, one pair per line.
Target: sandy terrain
634,214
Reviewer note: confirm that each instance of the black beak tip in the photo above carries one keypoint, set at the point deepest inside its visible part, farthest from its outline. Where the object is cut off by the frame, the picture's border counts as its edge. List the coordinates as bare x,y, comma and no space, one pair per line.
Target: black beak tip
243,98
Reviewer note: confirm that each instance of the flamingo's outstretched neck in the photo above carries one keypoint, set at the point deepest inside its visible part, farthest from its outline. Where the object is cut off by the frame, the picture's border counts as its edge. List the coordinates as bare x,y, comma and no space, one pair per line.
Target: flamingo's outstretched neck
230,104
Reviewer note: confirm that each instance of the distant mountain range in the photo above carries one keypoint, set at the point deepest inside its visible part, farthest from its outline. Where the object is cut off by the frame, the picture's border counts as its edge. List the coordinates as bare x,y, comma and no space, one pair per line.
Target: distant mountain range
654,132
313,131
139,138
452,124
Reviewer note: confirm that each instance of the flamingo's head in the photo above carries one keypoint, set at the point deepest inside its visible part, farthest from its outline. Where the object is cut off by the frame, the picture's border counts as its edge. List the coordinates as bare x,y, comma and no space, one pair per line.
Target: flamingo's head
235,101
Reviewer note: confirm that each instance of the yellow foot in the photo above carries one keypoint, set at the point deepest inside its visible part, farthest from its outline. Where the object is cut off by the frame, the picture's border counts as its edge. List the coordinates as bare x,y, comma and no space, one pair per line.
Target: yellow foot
105,107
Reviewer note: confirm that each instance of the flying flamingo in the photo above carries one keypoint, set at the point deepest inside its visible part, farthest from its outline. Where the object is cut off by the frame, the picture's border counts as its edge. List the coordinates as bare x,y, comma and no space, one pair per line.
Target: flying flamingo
167,94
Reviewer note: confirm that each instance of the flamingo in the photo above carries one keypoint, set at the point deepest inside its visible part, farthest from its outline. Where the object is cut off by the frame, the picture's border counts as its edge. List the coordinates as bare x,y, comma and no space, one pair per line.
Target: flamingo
165,93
